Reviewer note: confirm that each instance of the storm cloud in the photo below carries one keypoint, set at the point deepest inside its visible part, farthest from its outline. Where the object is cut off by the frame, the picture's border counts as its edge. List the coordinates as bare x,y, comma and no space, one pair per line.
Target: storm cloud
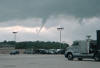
22,9
29,16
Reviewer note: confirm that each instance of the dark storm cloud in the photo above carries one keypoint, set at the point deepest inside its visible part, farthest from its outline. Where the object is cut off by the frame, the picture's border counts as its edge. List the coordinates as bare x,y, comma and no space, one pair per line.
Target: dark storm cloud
21,9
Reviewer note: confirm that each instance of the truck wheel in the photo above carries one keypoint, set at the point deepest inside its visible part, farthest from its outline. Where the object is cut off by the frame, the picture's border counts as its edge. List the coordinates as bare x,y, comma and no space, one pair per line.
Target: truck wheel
80,59
96,58
70,56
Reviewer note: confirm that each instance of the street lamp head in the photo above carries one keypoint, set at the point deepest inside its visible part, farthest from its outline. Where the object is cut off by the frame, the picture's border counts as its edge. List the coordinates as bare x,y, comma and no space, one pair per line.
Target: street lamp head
14,32
60,28
88,36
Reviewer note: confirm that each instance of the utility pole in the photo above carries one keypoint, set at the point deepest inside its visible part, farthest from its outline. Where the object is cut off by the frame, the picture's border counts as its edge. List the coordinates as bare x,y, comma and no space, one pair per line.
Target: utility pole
60,29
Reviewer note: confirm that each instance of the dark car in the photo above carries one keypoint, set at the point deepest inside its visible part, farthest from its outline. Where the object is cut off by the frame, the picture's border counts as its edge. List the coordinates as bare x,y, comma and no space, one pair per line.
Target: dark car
60,51
52,51
43,51
14,52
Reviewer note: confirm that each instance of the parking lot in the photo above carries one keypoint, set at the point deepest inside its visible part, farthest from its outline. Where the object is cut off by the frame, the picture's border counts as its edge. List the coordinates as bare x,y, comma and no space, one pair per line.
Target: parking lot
44,61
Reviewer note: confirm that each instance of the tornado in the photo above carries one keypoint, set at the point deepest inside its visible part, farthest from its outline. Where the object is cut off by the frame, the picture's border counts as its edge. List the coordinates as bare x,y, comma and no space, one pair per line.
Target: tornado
41,27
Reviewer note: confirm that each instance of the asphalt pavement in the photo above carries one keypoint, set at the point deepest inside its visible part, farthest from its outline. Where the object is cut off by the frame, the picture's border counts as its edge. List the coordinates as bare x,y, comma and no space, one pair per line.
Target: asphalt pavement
44,61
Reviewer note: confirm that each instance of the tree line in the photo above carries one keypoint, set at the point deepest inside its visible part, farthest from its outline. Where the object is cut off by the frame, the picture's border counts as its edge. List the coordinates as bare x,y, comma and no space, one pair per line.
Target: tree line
34,45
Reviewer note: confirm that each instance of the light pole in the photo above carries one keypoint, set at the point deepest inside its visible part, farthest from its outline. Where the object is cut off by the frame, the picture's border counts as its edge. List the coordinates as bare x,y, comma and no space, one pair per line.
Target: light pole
14,37
60,29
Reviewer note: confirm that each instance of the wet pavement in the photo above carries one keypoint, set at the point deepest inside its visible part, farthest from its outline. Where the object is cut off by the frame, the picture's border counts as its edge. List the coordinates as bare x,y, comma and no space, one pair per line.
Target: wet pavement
44,61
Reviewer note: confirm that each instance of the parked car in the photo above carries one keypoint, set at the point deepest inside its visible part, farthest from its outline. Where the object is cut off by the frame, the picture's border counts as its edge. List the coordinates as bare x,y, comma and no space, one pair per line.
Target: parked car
51,51
36,51
60,51
43,51
14,52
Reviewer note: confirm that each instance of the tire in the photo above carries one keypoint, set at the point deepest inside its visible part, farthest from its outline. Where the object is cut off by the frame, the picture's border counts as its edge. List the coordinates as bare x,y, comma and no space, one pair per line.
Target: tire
70,56
80,59
96,58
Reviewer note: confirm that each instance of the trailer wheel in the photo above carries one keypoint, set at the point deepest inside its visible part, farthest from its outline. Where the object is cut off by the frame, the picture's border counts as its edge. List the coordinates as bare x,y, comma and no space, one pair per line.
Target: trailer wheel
70,56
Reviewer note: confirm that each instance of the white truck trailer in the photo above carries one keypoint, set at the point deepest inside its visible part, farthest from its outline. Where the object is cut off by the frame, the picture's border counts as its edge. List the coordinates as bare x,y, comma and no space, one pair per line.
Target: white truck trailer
84,49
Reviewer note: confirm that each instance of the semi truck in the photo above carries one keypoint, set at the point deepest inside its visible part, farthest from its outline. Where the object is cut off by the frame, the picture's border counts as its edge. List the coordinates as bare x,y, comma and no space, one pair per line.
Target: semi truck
81,49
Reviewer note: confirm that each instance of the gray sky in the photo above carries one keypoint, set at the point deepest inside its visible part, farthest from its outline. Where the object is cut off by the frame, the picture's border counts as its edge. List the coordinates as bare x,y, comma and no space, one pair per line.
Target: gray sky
78,17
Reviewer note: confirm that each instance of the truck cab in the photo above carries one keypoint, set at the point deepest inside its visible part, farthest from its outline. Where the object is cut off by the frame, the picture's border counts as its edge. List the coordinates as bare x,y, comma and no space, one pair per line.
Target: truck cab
81,49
